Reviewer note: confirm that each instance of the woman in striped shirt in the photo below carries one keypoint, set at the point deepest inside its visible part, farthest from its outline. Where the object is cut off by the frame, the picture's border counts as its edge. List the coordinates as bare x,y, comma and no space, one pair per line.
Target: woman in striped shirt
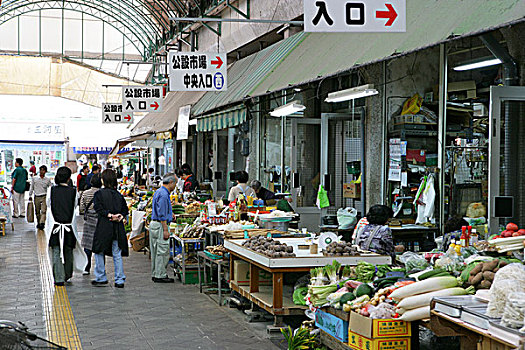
90,218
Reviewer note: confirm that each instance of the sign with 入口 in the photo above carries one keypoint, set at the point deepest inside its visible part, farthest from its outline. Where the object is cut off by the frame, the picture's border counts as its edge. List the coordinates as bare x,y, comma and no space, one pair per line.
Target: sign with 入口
142,98
197,71
113,113
355,16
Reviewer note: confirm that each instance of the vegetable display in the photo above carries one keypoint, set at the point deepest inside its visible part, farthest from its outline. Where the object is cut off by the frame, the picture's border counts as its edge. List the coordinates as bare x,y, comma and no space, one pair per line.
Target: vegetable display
269,247
482,274
340,249
428,285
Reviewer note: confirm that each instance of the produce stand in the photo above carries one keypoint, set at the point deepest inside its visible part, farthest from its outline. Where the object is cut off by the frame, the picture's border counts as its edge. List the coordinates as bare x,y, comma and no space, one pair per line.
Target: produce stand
270,298
188,247
205,261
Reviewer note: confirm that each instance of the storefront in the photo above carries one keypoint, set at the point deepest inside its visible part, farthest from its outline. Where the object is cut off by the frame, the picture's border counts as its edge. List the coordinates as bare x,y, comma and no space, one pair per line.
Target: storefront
43,144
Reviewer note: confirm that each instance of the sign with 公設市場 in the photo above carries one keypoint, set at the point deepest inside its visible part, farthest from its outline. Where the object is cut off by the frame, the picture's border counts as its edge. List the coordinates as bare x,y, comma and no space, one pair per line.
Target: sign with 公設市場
142,98
197,71
388,16
113,113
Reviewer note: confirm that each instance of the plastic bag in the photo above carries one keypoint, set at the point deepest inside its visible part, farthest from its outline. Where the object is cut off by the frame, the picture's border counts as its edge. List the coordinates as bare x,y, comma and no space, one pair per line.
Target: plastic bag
322,198
382,311
30,211
413,262
450,262
346,218
508,280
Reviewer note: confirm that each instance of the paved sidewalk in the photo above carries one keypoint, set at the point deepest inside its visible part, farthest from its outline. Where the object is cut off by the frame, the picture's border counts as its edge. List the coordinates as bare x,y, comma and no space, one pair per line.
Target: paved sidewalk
143,315
20,287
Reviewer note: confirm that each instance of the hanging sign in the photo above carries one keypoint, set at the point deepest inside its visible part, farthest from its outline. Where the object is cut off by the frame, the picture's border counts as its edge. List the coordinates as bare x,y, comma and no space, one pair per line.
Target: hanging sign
183,122
197,71
112,113
355,16
142,98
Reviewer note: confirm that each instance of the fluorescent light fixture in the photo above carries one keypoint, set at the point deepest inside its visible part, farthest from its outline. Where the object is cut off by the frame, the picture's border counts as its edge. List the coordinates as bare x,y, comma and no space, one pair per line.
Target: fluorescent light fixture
351,94
288,109
479,63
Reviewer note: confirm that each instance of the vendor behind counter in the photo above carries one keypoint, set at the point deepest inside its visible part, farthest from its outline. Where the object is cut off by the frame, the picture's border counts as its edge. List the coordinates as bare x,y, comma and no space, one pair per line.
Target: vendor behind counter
376,236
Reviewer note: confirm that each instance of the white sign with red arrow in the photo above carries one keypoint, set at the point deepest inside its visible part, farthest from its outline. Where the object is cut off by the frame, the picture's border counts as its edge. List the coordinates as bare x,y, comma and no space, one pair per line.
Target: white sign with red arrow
113,113
197,71
142,98
355,16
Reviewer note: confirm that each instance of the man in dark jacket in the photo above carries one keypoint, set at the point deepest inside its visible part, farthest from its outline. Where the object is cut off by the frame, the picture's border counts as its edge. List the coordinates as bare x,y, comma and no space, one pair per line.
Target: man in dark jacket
110,235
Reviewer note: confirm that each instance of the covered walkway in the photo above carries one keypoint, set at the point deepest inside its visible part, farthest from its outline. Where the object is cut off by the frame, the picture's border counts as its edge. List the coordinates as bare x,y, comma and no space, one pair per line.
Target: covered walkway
143,315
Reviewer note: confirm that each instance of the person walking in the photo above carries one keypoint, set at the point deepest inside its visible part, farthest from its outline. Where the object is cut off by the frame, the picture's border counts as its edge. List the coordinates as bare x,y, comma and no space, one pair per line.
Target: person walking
32,169
18,189
94,170
87,209
39,186
61,229
159,233
110,236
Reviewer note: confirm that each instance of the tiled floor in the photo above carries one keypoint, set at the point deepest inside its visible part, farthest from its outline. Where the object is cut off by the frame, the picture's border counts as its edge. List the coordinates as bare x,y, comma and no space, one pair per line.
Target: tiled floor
143,315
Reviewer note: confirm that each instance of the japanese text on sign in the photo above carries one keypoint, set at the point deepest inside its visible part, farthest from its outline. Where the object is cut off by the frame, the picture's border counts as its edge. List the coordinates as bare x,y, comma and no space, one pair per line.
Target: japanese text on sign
355,16
142,98
194,71
113,113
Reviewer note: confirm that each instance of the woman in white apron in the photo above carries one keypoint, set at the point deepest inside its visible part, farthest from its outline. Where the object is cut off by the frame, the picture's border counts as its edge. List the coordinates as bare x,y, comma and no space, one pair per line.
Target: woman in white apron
61,232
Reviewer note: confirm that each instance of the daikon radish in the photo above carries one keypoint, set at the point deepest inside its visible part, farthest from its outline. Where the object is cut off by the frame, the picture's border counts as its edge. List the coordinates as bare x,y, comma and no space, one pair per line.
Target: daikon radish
420,300
400,310
425,286
416,314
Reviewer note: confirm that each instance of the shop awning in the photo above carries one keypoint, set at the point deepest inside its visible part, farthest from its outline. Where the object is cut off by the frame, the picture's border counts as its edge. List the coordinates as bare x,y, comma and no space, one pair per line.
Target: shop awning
222,120
244,75
167,119
308,57
120,144
429,23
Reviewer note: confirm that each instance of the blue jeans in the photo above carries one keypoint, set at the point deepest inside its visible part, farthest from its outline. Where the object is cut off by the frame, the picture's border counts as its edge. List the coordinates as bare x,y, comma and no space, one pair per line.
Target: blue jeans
100,267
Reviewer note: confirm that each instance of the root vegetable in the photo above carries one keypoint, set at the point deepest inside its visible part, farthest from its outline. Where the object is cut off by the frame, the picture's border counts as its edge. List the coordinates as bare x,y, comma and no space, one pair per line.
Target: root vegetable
489,266
488,275
416,314
476,269
420,300
485,284
477,279
425,286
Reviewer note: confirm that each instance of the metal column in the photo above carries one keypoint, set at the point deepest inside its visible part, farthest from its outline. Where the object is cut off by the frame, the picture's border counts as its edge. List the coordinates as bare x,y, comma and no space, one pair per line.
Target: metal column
231,155
442,134
283,152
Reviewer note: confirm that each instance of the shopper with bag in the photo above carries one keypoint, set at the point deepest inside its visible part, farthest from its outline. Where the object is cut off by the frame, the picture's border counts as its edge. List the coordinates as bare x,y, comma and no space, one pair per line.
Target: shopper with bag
87,209
39,187
18,189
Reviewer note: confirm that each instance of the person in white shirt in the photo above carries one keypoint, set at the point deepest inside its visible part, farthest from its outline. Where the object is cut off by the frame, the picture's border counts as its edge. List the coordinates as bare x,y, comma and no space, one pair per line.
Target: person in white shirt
242,187
180,180
39,186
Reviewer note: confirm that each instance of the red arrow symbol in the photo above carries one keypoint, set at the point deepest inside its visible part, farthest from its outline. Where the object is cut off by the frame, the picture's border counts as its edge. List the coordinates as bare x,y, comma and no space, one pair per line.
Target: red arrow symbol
127,118
217,62
391,15
154,105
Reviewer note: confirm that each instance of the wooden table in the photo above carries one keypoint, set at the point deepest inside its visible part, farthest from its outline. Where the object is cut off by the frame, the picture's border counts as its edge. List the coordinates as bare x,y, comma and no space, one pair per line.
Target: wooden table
270,298
472,337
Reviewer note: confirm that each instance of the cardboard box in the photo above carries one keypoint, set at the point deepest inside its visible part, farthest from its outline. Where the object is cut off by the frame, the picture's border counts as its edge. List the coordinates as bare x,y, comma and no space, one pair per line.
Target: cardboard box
356,341
462,90
139,242
351,190
241,274
335,326
378,328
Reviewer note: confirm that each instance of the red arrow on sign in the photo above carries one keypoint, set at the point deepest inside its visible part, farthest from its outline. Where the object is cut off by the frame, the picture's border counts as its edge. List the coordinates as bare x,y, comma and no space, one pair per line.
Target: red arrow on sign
218,62
154,105
391,15
127,118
